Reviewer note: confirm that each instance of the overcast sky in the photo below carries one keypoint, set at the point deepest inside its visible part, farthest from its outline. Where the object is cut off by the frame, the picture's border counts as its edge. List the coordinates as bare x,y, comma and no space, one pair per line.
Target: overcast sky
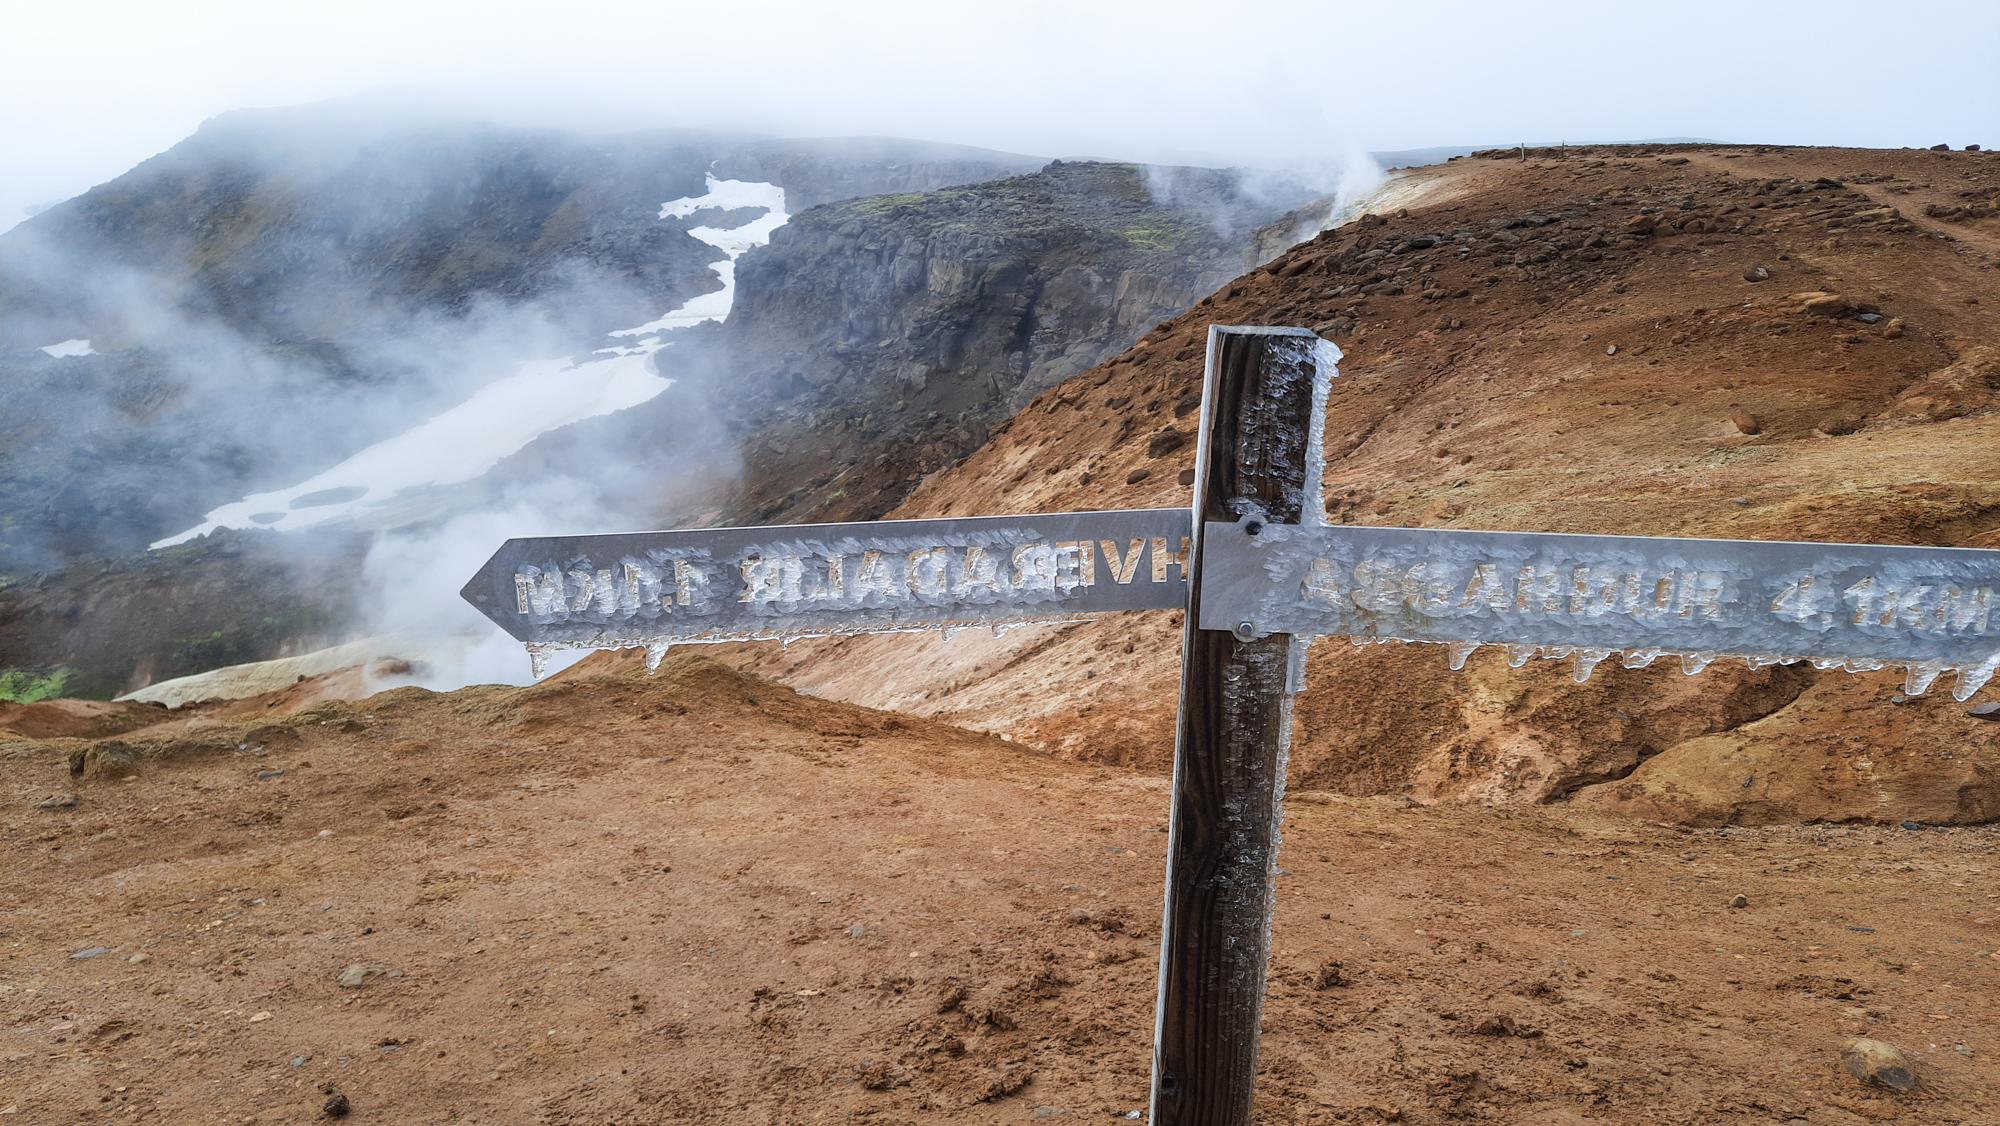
90,87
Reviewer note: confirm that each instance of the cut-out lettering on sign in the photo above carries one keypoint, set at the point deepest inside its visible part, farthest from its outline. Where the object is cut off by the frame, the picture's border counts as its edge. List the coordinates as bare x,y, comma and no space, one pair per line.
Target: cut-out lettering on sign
1859,606
656,589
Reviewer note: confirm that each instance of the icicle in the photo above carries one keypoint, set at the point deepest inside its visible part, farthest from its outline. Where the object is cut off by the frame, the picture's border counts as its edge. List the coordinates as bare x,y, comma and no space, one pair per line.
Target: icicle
538,660
1864,664
1517,655
654,651
1360,642
1761,660
1459,651
1557,652
950,632
1692,663
1824,663
1972,678
1640,658
1918,679
1587,658
999,630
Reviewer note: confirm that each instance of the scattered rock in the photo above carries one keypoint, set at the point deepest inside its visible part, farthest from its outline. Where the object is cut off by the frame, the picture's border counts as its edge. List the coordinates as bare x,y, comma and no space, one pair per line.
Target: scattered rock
1165,442
1989,711
337,1106
89,952
1757,273
1913,826
1743,502
1502,1025
1746,422
60,801
140,958
1640,225
259,1018
1186,477
1740,901
264,775
1186,405
1612,350
358,974
1879,1063
1836,426
1137,475
1821,304
109,759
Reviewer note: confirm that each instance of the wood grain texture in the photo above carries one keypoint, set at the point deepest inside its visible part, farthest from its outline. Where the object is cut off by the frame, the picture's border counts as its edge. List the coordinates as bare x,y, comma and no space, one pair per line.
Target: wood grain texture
1258,423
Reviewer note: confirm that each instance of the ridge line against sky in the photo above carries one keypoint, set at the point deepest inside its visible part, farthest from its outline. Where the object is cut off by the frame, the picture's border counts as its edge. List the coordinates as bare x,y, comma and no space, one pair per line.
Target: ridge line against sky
92,87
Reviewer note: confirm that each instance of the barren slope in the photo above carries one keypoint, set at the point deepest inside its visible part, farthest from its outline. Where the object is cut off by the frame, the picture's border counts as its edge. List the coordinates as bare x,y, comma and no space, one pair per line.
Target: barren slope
700,898
1556,346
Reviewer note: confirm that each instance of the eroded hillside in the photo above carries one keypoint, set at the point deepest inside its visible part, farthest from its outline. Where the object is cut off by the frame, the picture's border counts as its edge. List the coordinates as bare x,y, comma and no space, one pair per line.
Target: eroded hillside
701,898
1759,343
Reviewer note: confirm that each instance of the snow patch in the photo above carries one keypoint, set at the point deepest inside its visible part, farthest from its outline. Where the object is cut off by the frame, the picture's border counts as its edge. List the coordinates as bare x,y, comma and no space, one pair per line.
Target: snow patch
69,348
502,417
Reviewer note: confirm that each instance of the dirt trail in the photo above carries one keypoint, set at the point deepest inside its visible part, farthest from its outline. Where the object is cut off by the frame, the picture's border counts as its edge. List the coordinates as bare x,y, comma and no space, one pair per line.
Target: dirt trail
702,898
1570,346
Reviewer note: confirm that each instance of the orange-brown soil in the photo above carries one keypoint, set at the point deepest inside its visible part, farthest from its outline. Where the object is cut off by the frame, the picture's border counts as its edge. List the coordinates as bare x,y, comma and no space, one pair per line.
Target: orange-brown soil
702,898
1580,351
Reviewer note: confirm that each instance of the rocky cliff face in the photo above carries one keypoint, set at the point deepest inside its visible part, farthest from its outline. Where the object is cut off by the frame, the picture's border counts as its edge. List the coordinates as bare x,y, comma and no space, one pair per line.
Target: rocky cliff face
286,287
879,339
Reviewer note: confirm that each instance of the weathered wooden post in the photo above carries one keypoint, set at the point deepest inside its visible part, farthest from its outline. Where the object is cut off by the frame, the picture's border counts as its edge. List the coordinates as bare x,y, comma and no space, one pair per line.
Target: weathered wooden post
1257,463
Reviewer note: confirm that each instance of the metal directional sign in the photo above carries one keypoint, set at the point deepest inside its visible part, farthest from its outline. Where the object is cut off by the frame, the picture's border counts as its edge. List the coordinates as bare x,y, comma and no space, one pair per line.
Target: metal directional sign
1261,574
655,589
1855,606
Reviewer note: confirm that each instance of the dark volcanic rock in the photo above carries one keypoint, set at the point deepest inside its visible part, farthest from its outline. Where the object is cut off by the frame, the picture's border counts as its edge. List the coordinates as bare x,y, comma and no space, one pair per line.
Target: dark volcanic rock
908,324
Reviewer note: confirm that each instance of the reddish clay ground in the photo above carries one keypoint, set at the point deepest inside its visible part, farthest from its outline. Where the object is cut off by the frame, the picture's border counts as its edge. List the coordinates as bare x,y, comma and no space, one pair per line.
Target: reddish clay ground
816,912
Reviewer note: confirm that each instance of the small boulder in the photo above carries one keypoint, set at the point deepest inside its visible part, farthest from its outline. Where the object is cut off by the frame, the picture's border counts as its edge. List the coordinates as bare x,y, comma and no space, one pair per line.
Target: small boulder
1821,304
357,974
1836,426
1137,475
1165,442
1879,1063
1640,225
1746,422
1757,274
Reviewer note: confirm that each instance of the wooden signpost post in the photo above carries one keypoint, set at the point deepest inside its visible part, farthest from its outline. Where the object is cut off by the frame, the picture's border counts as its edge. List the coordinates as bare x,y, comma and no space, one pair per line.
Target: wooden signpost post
1259,573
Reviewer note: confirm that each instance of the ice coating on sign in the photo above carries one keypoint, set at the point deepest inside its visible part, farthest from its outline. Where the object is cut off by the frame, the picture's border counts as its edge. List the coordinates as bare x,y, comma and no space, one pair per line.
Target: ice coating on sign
1588,659
1325,356
653,589
1858,607
1918,679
